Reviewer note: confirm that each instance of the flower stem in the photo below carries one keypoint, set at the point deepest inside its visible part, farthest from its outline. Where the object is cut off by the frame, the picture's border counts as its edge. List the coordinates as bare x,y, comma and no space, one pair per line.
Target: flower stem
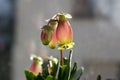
62,57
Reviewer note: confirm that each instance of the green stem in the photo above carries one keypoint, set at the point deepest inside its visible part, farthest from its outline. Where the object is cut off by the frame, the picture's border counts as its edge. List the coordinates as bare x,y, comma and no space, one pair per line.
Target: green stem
61,57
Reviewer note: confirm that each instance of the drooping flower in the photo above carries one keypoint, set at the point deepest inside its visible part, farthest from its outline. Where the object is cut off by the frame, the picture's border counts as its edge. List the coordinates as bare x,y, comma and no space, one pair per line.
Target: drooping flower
53,42
58,32
64,31
46,34
36,66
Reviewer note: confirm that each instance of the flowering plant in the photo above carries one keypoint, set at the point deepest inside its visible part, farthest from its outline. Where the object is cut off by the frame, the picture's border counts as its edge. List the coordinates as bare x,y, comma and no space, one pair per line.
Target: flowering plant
57,33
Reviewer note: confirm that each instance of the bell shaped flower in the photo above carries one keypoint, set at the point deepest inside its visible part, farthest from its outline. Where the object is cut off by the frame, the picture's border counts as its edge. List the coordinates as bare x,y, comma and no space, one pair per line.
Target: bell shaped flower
64,32
36,66
53,24
53,41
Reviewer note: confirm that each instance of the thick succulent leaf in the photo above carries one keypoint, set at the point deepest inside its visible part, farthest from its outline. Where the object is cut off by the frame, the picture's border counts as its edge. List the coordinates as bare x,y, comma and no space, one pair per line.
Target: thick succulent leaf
73,70
29,75
45,73
54,68
40,77
49,77
62,72
68,71
77,74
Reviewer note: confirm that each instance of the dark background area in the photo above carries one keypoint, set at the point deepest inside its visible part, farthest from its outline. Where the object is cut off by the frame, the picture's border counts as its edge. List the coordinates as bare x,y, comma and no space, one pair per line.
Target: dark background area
7,23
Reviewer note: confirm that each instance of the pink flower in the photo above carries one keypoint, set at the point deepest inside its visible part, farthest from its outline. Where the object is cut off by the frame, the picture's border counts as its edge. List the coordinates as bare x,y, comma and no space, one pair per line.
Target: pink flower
58,33
64,31
53,23
48,35
36,66
53,41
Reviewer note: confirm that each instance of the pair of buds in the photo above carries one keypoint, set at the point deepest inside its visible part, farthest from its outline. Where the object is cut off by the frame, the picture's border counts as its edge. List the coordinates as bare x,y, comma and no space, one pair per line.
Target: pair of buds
58,32
36,66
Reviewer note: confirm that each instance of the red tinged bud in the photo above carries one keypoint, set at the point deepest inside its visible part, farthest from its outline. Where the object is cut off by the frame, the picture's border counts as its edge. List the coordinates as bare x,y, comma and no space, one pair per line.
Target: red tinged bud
36,66
58,31
46,34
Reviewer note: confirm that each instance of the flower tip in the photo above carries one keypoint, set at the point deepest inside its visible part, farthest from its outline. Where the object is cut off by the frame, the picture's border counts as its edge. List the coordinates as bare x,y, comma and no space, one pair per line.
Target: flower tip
64,16
52,46
45,42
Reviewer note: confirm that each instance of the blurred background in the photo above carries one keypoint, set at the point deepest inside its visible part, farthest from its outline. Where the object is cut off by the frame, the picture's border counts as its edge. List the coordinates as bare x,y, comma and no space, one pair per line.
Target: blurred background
96,30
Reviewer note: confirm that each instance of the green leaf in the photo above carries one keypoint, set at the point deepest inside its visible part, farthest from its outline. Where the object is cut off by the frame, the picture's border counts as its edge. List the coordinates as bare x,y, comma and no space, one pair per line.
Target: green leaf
29,75
62,73
49,77
54,68
73,70
77,74
68,69
40,77
45,73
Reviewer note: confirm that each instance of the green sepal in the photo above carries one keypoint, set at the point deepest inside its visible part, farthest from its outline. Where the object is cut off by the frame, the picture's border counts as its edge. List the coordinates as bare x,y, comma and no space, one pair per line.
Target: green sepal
62,17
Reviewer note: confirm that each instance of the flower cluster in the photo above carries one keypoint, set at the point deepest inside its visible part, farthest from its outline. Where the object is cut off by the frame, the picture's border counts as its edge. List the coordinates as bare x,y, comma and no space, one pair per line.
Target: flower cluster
58,31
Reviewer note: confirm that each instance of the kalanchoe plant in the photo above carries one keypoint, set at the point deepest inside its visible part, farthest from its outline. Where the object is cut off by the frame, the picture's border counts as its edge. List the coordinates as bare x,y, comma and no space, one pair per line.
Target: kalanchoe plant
57,33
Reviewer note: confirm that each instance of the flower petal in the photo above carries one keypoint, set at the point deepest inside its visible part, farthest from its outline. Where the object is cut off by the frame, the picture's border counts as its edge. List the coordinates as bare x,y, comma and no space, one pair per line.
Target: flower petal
64,32
36,66
53,41
66,46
